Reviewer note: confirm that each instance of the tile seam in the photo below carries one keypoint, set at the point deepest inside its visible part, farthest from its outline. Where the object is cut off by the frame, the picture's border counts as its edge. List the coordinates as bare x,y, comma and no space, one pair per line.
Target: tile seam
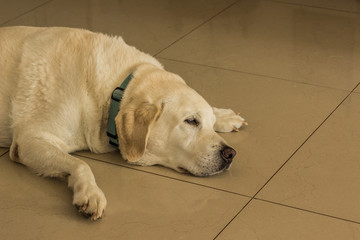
307,210
235,216
164,176
310,6
286,206
303,143
281,167
307,139
255,74
25,12
1,155
197,27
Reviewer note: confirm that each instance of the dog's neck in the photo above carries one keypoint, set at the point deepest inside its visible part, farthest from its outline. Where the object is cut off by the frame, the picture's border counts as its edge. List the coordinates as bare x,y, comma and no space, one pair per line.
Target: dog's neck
115,101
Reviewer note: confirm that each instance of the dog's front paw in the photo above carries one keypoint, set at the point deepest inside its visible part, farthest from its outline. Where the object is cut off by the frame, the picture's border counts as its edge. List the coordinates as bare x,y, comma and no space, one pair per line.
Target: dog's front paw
227,120
89,200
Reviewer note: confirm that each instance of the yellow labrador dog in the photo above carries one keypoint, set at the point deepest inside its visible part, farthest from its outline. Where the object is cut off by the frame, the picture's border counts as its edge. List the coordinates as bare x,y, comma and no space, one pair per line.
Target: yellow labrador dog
62,89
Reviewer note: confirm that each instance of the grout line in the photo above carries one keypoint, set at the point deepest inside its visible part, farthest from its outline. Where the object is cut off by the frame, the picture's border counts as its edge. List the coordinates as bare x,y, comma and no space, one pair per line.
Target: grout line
311,6
233,218
281,167
164,176
4,153
253,74
26,12
198,26
283,205
316,129
309,211
253,197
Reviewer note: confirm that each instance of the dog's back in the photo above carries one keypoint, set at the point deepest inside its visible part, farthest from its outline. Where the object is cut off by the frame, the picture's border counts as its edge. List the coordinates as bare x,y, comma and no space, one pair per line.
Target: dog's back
43,69
29,61
11,43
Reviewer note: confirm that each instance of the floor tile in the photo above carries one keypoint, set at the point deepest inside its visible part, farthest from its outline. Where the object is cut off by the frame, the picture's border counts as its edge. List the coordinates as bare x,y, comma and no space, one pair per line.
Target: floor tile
281,116
14,8
140,206
148,25
3,150
286,41
261,220
357,89
324,175
347,5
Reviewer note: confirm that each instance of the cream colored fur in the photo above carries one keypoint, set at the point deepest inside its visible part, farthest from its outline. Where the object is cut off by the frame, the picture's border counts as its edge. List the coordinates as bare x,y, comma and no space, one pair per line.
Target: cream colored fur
55,93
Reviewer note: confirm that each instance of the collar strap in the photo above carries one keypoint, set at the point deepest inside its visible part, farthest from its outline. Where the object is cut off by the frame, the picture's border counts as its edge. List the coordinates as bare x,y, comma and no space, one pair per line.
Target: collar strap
114,109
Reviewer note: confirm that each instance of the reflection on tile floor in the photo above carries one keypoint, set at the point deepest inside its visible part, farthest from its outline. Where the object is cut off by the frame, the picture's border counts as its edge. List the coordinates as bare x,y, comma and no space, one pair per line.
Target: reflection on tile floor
141,23
285,65
302,44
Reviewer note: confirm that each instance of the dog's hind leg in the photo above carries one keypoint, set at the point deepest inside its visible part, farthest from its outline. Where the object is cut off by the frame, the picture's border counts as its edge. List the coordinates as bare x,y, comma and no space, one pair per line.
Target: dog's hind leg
47,156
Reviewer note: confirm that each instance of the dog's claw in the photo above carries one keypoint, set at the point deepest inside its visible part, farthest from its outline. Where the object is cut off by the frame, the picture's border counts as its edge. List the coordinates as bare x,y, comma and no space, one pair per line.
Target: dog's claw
97,216
78,207
84,207
90,204
235,129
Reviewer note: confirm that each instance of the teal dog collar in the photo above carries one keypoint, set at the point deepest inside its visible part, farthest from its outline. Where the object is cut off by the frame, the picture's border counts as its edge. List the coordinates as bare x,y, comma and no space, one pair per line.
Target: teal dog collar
114,109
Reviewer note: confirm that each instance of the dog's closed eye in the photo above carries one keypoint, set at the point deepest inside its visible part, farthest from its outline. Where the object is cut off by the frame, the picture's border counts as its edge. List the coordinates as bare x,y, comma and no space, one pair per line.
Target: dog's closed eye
192,121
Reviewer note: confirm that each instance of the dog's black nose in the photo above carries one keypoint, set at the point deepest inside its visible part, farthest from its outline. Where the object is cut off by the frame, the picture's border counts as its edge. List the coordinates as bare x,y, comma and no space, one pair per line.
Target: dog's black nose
228,153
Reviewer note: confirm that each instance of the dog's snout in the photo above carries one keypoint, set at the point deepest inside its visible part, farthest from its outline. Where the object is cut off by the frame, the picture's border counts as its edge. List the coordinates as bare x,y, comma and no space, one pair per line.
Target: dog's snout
228,153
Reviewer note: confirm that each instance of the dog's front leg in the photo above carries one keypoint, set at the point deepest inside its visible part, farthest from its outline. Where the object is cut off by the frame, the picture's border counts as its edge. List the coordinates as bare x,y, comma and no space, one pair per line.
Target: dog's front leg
47,156
227,120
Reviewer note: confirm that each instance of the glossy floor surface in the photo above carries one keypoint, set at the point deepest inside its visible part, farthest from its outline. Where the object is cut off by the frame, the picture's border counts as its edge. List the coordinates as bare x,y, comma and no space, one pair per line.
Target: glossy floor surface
291,67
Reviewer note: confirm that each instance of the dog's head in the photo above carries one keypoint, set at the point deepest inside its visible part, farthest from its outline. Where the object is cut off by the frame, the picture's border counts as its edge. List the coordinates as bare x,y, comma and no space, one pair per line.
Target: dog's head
165,122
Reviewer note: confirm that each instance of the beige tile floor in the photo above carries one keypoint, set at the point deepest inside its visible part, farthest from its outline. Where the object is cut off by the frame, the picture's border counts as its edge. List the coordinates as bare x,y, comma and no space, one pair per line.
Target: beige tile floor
345,5
12,9
291,67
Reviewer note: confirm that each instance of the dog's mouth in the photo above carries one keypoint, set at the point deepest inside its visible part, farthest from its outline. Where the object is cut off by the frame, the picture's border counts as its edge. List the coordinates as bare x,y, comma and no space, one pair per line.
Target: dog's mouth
202,174
184,170
227,167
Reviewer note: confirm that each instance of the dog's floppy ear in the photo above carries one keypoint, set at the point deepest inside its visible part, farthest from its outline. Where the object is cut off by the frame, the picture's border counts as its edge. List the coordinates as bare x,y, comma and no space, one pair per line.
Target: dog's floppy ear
133,127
